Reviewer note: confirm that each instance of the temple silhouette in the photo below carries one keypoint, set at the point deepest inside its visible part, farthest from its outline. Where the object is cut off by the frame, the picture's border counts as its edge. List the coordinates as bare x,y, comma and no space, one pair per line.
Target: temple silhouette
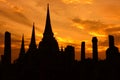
49,62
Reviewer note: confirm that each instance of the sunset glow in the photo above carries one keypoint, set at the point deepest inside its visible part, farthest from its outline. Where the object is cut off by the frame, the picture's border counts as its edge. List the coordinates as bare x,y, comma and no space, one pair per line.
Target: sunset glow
73,21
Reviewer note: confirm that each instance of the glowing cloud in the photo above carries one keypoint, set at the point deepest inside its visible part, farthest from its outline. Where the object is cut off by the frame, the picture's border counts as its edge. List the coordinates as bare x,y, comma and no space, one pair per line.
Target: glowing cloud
97,34
65,40
79,26
78,1
12,6
2,46
3,1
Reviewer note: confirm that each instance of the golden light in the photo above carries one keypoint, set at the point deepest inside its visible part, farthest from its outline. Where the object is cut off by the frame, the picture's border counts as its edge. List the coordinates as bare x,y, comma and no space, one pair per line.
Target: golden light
79,26
102,48
39,34
70,1
78,1
97,34
3,0
2,46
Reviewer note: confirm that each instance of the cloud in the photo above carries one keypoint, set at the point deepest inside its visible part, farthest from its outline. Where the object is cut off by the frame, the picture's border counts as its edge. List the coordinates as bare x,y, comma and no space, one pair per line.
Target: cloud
95,28
65,40
13,12
12,6
89,24
78,1
15,16
112,12
3,1
113,30
107,10
98,34
2,24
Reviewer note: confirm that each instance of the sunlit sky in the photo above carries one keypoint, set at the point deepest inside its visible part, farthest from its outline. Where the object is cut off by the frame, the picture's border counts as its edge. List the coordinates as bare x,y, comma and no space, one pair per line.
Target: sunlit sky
73,21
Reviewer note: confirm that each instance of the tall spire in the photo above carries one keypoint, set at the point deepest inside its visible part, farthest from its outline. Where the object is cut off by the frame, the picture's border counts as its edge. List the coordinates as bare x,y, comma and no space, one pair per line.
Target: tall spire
48,29
22,50
33,42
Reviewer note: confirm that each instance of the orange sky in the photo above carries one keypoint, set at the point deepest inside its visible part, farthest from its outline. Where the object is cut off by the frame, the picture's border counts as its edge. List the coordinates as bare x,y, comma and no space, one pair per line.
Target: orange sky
73,21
